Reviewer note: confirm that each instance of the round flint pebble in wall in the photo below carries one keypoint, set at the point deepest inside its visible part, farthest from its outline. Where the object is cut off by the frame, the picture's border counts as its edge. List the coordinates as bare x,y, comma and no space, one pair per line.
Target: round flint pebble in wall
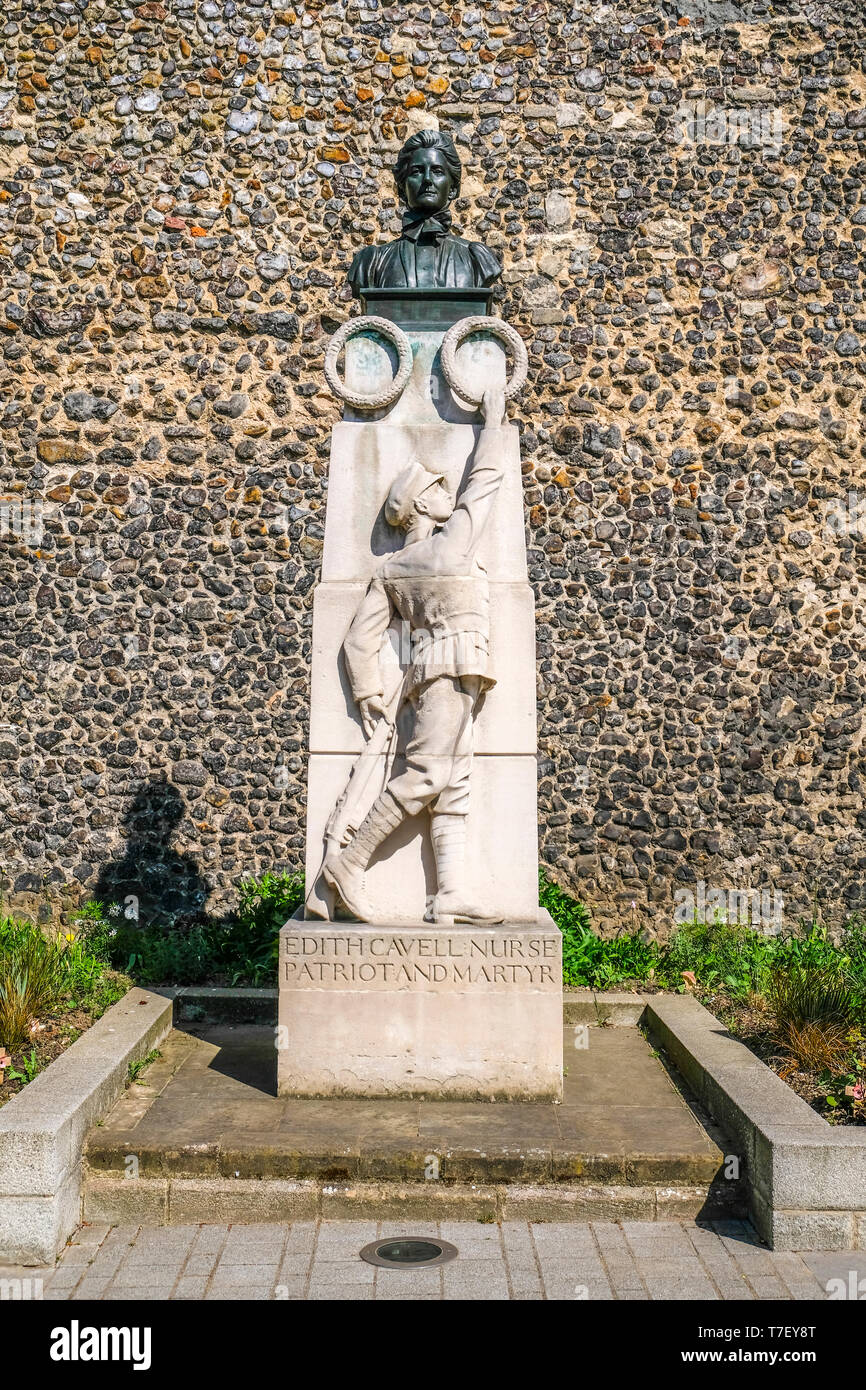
676,192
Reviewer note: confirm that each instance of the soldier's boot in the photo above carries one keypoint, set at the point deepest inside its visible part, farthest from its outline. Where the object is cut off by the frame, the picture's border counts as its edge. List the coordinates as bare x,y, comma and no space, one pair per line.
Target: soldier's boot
450,903
345,871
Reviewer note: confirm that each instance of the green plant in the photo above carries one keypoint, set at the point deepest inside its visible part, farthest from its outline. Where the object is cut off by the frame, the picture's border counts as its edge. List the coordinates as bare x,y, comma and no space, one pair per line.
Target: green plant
135,1069
846,1089
810,948
40,974
579,942
266,904
32,1066
814,1008
95,924
155,955
31,979
810,994
854,945
721,955
238,949
589,960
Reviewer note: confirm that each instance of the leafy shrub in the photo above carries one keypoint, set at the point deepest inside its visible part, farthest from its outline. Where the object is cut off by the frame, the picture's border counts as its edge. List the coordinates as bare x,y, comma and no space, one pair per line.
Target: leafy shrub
590,961
156,955
810,949
579,942
238,949
266,905
854,946
727,956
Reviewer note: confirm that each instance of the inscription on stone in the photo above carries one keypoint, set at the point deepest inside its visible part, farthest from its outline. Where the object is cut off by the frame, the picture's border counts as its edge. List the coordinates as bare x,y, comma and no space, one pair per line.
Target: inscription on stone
395,960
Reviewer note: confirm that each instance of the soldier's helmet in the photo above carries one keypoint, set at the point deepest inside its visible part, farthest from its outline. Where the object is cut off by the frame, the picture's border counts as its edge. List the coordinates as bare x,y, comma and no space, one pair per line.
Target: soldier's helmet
405,489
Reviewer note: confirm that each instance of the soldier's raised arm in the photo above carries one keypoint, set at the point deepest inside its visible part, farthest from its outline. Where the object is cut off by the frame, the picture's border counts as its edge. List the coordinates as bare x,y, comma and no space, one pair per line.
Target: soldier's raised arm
493,407
476,500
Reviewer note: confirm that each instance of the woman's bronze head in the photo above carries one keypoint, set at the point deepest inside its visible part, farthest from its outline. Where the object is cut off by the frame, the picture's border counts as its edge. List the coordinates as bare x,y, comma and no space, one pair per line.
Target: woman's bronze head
428,171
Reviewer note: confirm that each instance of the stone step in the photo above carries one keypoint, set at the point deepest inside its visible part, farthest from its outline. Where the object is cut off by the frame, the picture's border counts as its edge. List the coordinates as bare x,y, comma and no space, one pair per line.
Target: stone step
180,1201
205,1132
332,1157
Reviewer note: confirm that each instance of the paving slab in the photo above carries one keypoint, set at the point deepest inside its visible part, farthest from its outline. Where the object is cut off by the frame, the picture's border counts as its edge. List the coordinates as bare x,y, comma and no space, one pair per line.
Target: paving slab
513,1260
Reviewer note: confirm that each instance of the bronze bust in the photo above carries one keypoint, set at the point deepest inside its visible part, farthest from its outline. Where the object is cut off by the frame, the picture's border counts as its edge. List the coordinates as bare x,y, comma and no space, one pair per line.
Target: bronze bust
426,255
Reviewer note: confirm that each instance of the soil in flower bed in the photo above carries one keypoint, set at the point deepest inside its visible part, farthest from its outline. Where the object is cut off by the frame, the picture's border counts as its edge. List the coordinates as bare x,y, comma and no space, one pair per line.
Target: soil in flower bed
53,1034
752,1023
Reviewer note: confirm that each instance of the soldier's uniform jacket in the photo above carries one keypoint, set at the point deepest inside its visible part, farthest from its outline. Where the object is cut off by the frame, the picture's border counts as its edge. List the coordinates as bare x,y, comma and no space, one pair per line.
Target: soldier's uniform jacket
439,587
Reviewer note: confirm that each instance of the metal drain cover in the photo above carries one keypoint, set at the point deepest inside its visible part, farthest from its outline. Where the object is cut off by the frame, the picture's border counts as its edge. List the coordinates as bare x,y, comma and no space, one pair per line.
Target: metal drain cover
408,1252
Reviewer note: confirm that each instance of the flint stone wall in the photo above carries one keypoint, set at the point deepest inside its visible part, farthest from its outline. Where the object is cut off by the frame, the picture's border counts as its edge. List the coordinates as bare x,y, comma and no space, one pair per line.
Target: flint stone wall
182,188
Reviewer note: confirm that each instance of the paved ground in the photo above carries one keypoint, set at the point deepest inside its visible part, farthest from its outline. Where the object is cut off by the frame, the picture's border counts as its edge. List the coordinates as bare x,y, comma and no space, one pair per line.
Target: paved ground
208,1108
319,1260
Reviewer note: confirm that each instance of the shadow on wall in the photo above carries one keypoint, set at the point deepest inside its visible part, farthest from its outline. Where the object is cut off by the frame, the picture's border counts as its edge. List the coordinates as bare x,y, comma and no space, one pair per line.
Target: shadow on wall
152,882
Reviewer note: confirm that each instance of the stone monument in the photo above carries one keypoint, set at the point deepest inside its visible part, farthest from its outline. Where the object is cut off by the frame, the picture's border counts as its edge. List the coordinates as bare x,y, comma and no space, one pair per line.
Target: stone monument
422,964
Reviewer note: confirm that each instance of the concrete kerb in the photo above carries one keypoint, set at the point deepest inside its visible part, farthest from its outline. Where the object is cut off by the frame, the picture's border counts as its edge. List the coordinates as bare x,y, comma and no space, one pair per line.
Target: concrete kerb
212,1004
611,1010
42,1130
806,1179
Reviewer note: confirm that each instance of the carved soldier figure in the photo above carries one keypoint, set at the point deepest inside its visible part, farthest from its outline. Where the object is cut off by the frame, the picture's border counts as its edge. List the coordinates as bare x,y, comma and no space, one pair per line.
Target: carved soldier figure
438,586
426,255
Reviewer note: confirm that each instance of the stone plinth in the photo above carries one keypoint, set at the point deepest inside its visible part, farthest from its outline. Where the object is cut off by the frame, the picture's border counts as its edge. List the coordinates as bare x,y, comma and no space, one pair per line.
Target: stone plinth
402,1008
367,452
457,1013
